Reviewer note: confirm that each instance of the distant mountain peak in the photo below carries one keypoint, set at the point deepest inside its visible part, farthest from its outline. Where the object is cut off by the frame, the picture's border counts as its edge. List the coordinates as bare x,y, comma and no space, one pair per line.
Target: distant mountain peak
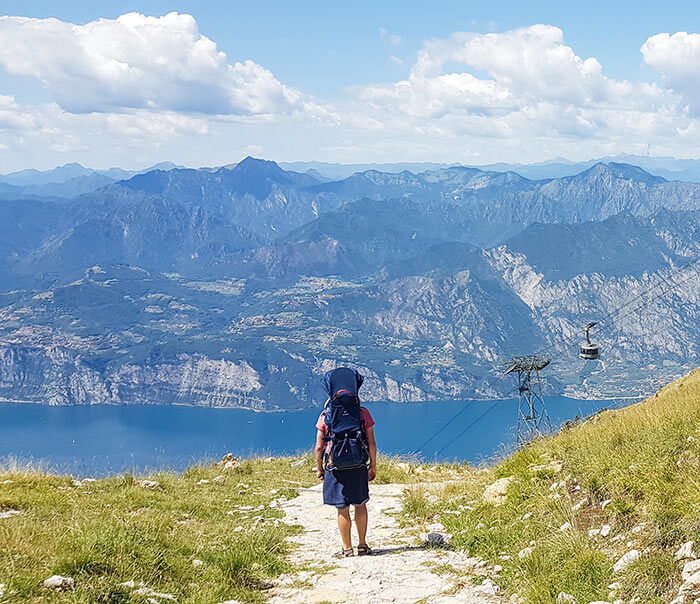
254,163
623,171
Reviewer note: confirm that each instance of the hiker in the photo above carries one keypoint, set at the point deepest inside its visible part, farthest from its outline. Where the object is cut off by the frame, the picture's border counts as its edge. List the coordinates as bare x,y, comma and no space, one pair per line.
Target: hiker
344,446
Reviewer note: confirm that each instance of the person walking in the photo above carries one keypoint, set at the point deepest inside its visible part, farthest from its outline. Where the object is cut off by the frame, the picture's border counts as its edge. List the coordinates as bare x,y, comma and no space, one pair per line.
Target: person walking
346,456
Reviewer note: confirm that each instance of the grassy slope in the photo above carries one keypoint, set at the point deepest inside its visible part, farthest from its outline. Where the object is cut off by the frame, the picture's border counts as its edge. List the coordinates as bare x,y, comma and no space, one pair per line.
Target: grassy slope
111,531
644,459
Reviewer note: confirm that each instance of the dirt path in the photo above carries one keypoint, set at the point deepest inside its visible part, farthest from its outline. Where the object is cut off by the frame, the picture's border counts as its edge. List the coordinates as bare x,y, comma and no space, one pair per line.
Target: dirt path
400,570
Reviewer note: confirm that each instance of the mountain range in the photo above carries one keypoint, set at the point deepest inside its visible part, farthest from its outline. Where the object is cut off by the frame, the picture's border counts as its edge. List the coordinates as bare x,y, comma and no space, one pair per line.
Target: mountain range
240,285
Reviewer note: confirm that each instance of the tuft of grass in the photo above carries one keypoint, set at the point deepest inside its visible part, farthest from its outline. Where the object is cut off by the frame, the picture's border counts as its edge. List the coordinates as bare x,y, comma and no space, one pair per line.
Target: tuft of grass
651,579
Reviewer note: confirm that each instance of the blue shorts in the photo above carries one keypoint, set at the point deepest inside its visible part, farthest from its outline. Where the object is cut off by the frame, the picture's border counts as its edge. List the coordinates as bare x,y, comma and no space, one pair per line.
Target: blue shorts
342,488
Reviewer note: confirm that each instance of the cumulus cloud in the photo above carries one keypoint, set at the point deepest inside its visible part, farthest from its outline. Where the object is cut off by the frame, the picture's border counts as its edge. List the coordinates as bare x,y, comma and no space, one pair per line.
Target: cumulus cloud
676,57
48,126
139,62
520,84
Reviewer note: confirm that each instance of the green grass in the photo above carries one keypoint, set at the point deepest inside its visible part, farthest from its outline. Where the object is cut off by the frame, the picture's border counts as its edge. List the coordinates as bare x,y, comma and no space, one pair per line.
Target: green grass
113,531
642,461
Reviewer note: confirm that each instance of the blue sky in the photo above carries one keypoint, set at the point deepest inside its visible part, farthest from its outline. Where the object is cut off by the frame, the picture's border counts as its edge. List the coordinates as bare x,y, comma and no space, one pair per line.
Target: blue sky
382,81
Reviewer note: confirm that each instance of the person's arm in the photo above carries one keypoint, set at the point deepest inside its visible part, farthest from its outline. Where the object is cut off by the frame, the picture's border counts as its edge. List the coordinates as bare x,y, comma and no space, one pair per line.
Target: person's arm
320,446
372,472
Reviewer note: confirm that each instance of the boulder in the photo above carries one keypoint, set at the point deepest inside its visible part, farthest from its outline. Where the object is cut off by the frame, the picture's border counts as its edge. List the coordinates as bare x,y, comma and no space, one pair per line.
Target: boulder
689,569
487,587
626,560
231,465
58,582
685,551
435,539
497,492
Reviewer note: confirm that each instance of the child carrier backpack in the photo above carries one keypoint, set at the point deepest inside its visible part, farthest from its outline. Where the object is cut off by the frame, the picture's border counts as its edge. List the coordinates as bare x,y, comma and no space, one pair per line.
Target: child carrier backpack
346,432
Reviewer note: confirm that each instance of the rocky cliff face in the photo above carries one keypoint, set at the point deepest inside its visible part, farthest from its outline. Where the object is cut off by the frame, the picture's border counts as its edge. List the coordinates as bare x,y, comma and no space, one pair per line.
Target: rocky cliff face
151,292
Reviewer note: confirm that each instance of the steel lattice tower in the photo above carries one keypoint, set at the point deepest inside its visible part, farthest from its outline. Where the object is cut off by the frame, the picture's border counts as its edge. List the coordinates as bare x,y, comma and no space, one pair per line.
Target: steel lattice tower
533,420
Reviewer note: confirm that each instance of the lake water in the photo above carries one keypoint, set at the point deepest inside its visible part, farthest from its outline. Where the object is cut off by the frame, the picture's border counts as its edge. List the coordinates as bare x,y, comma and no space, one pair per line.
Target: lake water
99,440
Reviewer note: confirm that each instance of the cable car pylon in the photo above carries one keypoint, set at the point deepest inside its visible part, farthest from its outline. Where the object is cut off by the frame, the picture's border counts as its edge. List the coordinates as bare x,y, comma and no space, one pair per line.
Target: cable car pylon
533,419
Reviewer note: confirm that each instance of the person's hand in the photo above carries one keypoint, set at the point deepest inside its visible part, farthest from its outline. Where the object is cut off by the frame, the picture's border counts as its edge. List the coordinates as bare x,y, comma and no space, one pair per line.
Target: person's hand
320,473
372,472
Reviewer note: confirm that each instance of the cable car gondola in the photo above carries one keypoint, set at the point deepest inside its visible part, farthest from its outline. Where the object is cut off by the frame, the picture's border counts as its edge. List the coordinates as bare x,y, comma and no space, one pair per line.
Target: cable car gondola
588,351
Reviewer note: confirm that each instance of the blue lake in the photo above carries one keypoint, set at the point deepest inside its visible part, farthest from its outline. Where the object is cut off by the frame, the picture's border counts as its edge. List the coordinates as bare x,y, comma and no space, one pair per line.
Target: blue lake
99,440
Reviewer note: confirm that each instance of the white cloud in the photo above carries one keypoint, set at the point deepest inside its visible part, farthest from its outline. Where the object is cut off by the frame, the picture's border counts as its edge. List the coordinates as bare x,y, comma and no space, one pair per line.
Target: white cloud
676,57
394,39
139,62
136,90
521,85
37,127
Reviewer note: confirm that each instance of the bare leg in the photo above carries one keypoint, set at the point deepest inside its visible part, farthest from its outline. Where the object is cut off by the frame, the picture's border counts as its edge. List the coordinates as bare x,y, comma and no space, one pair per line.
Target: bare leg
361,523
345,524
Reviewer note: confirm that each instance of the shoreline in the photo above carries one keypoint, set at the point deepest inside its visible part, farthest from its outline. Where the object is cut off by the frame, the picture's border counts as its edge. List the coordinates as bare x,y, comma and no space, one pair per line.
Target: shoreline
308,408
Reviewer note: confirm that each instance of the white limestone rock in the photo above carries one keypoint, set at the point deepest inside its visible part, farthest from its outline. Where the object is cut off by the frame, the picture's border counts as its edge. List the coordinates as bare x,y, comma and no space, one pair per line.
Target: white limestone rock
9,513
685,551
626,560
689,569
58,582
565,527
565,598
149,484
692,580
497,492
526,552
147,592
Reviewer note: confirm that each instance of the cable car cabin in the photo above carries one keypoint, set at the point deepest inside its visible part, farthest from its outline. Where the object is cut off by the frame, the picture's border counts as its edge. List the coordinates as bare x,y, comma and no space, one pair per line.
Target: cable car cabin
588,350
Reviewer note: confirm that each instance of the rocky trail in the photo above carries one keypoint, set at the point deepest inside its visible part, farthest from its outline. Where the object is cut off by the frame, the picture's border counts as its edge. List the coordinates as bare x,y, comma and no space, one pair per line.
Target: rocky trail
402,569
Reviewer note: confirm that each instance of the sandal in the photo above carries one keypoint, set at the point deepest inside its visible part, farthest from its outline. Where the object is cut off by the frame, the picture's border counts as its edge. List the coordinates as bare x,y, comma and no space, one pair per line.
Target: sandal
345,553
364,550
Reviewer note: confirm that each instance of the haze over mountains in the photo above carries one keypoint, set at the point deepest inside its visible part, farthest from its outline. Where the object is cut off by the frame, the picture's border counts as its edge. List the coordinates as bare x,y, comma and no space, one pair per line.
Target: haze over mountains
238,286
